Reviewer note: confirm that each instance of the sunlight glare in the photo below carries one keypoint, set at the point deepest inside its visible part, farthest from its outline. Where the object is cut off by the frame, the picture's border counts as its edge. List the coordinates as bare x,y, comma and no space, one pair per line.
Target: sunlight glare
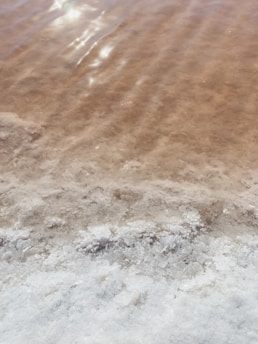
105,51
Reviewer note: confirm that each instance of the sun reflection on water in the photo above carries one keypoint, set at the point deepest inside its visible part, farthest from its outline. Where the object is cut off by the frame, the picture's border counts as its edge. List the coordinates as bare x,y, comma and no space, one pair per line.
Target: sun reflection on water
70,11
60,4
105,51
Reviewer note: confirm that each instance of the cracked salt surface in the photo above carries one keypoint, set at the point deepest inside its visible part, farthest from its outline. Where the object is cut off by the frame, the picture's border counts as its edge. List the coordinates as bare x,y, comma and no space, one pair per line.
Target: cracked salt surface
142,282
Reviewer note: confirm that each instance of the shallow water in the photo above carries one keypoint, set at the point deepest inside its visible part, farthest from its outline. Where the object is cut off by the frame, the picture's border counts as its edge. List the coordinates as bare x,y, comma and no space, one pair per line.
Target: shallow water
161,83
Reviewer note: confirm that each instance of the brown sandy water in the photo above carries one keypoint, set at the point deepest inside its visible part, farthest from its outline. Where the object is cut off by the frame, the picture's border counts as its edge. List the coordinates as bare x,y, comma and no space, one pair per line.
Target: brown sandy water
137,90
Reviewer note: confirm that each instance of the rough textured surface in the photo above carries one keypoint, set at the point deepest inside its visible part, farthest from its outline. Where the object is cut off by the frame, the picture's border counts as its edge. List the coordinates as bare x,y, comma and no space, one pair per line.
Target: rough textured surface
128,186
